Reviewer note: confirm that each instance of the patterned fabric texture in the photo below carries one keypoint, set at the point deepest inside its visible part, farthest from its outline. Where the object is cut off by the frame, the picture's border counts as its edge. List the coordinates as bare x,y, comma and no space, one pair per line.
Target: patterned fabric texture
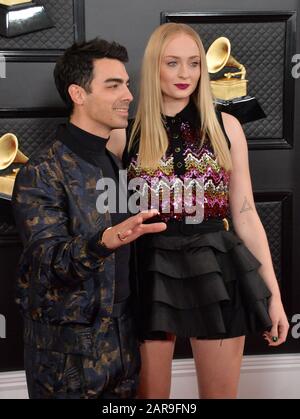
74,347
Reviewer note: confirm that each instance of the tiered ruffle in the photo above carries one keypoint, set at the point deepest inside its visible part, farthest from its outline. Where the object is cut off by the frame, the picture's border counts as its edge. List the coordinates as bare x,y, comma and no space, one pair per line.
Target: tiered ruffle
204,285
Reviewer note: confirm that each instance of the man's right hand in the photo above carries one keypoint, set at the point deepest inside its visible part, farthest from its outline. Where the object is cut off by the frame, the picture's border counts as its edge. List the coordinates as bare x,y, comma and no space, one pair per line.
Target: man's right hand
130,229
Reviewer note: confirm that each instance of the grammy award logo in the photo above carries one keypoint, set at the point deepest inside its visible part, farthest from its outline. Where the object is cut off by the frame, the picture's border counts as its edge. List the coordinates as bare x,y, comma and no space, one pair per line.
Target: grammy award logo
232,84
230,90
9,154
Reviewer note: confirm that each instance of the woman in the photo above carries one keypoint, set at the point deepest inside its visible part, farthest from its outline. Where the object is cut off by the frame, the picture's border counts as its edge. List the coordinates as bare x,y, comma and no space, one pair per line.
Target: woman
201,280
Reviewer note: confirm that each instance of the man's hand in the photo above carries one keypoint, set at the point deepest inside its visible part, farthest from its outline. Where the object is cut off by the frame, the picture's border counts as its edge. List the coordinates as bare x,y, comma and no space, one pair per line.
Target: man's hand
130,229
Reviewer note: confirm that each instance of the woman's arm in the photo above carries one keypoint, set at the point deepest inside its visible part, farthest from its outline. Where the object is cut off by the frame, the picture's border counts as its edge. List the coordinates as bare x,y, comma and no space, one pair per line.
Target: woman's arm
248,226
117,142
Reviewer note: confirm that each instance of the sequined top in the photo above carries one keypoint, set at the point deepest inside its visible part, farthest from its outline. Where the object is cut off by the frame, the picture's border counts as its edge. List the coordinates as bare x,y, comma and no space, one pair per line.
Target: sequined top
187,176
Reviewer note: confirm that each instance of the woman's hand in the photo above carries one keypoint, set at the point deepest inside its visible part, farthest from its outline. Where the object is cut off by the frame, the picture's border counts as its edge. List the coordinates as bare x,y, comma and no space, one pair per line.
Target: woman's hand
130,229
280,323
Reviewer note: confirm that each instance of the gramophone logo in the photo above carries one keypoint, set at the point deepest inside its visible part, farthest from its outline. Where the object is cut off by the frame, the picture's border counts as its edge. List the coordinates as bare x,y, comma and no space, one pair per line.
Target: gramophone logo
2,327
232,84
9,153
230,90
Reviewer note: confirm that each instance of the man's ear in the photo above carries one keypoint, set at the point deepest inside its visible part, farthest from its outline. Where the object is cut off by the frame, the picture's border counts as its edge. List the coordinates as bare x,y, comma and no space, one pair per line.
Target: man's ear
77,94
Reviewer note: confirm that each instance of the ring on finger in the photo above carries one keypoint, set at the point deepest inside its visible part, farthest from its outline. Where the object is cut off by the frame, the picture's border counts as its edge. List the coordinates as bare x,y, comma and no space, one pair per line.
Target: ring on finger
120,237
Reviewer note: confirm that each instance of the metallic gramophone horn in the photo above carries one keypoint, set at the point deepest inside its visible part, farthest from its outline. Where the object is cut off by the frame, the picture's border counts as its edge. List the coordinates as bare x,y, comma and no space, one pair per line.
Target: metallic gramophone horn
9,152
218,56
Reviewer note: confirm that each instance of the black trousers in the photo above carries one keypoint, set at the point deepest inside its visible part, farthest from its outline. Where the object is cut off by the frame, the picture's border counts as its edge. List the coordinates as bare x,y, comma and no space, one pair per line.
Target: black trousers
109,369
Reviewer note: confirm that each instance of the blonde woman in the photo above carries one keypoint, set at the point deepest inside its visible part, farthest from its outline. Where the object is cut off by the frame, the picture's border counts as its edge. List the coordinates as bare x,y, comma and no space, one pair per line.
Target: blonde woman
199,280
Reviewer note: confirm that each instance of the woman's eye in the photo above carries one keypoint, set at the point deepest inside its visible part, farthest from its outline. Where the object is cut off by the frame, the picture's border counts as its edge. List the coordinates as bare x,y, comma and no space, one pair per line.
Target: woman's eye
172,63
195,63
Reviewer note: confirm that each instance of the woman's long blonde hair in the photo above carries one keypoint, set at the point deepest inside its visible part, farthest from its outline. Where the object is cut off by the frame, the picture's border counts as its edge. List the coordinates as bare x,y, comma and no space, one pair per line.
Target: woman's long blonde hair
148,125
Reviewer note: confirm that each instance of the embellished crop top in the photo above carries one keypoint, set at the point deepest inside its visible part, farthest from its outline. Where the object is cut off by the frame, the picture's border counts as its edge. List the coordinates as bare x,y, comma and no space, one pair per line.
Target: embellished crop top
188,175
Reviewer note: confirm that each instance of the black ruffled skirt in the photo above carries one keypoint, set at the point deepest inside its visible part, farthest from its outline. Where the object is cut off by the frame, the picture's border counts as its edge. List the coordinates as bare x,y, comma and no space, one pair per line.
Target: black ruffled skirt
199,281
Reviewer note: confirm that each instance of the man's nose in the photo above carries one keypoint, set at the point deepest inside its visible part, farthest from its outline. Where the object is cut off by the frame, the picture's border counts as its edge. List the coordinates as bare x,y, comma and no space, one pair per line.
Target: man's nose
128,95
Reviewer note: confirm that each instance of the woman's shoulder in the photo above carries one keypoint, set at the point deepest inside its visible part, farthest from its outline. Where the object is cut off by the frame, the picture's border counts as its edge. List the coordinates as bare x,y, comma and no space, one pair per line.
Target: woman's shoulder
230,125
235,133
229,119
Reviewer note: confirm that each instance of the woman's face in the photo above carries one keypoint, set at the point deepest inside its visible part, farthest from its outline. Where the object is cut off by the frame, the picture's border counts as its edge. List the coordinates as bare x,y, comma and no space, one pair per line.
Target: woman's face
180,68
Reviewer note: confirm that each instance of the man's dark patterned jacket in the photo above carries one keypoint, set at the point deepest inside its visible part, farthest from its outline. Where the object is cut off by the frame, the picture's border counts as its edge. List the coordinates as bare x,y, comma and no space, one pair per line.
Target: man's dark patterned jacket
64,278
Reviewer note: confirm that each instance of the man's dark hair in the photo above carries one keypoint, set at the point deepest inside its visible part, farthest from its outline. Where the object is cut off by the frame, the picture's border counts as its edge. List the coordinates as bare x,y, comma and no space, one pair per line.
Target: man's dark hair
76,65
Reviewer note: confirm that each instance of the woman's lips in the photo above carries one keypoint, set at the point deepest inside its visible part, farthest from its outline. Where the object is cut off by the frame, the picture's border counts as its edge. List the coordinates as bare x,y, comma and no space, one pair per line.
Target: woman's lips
182,86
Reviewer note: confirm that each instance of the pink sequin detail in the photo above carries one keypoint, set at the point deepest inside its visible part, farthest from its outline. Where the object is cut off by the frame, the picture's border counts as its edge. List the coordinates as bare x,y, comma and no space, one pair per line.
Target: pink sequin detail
201,164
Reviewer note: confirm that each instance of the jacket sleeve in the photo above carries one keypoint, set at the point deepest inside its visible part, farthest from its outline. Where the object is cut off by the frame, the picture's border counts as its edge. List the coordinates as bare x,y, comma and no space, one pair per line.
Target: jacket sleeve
41,214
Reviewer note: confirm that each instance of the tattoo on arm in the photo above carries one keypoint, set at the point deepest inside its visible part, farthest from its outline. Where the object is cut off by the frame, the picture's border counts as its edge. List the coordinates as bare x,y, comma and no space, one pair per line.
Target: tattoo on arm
246,206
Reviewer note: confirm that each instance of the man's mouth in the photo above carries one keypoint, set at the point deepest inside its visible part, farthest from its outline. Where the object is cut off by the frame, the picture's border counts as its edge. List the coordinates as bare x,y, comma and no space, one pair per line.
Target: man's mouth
182,86
122,110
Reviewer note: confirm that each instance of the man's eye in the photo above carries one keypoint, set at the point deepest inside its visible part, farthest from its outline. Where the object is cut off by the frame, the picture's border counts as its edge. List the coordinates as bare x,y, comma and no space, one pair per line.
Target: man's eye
113,86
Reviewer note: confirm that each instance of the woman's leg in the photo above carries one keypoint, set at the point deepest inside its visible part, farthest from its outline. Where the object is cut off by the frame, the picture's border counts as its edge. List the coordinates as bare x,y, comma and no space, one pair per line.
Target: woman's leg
218,364
155,376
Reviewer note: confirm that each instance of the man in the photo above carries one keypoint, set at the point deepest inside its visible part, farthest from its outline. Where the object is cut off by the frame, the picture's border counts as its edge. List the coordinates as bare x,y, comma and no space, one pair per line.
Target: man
73,282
